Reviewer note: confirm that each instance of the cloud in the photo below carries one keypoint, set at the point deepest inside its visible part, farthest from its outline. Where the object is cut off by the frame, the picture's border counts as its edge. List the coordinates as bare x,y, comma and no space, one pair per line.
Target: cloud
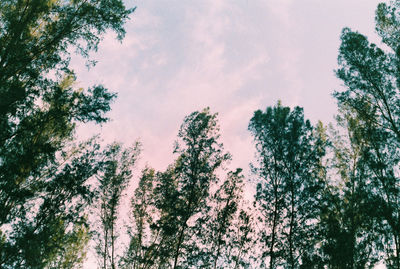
234,56
281,10
192,55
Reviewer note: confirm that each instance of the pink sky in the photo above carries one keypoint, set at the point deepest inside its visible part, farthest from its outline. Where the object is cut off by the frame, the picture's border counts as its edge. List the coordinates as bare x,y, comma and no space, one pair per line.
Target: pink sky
233,56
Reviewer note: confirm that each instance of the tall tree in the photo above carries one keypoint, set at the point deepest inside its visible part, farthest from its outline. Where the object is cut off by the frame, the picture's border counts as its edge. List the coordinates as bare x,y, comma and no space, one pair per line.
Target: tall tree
227,200
43,177
144,246
371,77
228,225
289,158
200,154
349,220
114,175
178,199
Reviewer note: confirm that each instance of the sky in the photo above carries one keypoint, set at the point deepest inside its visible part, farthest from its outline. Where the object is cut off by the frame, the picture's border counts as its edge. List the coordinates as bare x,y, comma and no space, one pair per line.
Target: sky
234,56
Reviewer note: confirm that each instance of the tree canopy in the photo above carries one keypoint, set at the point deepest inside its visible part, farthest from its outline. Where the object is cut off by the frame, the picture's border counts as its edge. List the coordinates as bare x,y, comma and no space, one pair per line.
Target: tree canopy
44,174
325,197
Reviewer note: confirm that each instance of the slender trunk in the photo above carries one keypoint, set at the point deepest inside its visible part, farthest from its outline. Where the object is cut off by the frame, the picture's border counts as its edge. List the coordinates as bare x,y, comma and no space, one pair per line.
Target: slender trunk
216,256
148,255
112,246
352,247
223,223
138,253
353,228
274,224
238,257
218,250
291,248
396,241
105,248
178,247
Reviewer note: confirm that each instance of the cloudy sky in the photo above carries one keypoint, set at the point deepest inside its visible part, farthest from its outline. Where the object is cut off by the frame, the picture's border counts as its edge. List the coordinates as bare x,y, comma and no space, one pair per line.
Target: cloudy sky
235,56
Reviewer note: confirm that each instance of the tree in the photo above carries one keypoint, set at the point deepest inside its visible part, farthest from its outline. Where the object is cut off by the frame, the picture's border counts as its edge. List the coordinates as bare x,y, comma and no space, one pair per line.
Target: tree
227,199
43,176
43,224
143,250
289,158
172,205
114,175
371,77
350,225
226,238
200,155
74,249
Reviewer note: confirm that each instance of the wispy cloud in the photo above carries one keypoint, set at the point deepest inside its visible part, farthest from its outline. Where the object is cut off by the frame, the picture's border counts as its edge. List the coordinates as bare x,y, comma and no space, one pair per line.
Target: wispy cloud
177,57
234,56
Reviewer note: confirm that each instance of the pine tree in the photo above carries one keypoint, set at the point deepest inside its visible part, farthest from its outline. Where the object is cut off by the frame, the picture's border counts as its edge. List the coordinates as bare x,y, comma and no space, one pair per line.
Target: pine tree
349,221
43,175
226,238
170,207
114,175
289,188
371,76
145,243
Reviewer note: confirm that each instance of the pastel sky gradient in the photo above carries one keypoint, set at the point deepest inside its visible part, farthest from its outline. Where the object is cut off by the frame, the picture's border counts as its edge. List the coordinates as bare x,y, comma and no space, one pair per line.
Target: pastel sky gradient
235,56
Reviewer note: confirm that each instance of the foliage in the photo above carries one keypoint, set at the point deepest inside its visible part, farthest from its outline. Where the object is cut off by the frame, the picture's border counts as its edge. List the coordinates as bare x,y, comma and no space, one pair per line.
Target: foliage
226,238
288,192
179,220
350,224
114,175
312,209
371,77
43,176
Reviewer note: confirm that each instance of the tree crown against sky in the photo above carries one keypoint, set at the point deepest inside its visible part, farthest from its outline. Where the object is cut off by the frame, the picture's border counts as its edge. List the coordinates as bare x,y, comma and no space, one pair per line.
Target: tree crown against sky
44,173
189,215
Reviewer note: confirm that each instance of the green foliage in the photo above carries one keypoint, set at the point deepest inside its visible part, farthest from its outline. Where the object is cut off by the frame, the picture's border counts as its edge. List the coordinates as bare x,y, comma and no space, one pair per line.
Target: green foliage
350,226
43,175
41,225
371,76
144,247
311,213
226,238
113,176
185,217
74,249
289,188
387,23
200,155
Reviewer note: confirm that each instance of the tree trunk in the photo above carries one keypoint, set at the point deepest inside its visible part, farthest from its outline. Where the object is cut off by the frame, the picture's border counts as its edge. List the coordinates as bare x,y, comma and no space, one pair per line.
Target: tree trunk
291,247
274,224
112,246
396,241
105,249
180,240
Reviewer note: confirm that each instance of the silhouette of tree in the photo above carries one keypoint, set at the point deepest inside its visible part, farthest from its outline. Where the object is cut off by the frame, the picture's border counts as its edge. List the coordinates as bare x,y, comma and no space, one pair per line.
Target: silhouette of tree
173,205
371,77
350,225
226,238
114,175
288,193
43,176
